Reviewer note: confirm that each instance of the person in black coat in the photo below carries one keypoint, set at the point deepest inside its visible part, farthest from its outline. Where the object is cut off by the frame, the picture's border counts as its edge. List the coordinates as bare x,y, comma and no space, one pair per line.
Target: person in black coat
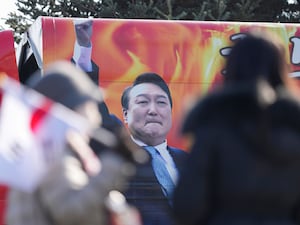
245,156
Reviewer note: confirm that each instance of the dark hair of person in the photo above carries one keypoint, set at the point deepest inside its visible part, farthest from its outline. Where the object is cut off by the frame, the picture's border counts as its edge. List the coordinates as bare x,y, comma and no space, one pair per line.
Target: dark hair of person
146,78
257,56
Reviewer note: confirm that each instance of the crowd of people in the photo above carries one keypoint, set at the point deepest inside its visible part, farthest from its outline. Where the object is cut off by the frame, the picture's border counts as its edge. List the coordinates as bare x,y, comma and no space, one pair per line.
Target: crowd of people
241,168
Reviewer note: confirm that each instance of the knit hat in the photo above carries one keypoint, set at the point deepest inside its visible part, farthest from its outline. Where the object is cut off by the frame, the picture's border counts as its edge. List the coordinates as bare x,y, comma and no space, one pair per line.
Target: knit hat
62,82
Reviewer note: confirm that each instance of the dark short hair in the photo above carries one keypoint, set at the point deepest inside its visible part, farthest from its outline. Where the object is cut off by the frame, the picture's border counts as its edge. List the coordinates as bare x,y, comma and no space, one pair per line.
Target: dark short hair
125,97
146,78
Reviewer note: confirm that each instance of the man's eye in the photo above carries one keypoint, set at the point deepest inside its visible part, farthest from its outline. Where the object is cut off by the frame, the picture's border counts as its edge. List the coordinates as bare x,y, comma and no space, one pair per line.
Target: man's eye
162,102
142,102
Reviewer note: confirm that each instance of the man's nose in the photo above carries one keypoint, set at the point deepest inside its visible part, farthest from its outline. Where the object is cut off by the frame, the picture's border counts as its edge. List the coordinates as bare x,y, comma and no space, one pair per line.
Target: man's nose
152,108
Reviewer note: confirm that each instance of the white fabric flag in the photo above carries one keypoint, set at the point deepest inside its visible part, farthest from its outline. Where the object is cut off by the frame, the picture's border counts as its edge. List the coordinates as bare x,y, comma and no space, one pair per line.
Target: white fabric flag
32,134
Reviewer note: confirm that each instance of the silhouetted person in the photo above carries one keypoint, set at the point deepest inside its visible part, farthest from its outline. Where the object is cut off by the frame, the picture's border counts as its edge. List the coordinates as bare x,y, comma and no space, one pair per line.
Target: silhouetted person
76,186
245,156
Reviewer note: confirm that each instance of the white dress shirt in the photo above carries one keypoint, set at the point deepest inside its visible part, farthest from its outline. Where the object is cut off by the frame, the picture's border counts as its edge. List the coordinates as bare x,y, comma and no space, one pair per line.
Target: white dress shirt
82,57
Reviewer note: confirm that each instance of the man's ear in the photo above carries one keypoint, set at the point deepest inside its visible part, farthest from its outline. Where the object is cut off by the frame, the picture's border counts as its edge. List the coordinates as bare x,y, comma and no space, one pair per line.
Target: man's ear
125,111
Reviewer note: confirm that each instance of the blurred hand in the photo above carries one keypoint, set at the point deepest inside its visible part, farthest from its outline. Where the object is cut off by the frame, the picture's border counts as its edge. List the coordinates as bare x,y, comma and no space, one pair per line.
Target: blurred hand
83,30
80,146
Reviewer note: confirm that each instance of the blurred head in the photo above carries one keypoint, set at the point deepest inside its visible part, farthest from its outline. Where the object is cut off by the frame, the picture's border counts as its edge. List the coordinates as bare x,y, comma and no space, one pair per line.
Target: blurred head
147,109
62,82
260,55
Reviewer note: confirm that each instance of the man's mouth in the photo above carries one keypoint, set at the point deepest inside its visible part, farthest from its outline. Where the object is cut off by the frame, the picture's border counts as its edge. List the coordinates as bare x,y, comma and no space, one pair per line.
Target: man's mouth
153,122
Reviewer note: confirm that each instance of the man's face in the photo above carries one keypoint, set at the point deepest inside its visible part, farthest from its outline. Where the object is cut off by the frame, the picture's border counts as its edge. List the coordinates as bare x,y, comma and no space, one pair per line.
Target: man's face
149,113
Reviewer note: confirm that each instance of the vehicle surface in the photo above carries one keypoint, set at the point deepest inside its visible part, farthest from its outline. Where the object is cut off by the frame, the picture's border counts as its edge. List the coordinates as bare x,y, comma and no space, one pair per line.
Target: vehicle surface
189,55
8,66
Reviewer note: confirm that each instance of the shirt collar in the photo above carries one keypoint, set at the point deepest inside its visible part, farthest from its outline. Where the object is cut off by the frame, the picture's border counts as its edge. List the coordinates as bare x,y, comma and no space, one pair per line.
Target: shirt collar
160,147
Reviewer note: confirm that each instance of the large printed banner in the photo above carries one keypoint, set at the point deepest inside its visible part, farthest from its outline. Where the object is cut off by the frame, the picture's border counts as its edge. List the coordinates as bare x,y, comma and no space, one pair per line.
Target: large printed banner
8,64
189,55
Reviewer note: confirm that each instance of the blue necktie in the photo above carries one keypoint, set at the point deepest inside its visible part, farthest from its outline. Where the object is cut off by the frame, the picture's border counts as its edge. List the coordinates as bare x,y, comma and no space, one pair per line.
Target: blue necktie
161,171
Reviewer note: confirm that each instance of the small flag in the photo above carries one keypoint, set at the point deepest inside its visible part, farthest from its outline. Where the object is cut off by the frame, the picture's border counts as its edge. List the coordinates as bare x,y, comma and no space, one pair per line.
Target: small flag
32,134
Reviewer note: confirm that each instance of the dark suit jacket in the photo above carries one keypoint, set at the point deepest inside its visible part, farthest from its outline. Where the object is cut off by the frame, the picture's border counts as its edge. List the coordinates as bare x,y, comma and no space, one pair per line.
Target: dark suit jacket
145,193
94,74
